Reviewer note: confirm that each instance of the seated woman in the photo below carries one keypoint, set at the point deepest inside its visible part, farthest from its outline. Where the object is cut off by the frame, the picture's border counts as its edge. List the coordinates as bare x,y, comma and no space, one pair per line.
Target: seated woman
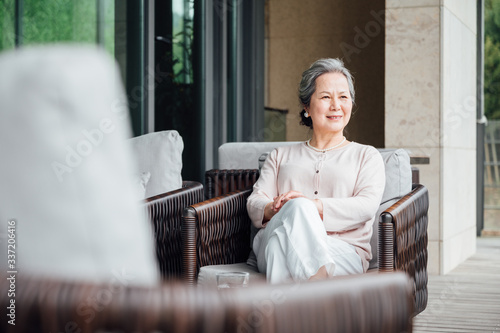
316,201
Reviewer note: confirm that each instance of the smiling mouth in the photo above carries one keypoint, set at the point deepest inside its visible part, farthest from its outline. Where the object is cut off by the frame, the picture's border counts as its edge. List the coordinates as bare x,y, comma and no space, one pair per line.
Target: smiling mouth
334,117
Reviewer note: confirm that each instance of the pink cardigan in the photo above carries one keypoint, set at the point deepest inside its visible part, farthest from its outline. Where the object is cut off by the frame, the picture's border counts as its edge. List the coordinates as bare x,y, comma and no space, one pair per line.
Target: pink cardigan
349,181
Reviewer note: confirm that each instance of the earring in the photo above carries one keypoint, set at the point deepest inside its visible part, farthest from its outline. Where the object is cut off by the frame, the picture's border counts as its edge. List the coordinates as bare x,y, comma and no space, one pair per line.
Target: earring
306,114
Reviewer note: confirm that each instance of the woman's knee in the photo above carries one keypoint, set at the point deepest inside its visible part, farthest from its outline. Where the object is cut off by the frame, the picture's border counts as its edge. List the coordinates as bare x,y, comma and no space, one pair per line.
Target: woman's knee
296,212
301,210
300,204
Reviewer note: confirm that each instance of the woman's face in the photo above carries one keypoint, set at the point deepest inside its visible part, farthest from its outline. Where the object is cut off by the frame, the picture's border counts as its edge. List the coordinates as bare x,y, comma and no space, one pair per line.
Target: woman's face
331,104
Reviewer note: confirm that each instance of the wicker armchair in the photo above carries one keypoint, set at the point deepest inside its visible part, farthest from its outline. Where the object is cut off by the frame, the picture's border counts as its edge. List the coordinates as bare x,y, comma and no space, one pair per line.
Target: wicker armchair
217,232
165,213
363,303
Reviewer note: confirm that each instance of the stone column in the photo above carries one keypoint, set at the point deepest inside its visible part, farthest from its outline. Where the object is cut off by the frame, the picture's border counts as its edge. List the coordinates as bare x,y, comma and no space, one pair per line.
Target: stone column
430,108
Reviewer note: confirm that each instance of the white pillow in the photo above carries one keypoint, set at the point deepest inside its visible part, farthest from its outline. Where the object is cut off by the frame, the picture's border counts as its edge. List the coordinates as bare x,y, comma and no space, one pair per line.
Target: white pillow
160,154
398,180
245,155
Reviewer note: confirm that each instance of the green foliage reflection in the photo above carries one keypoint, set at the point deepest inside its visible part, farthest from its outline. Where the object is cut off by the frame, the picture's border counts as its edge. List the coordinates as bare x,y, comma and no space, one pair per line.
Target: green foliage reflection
492,59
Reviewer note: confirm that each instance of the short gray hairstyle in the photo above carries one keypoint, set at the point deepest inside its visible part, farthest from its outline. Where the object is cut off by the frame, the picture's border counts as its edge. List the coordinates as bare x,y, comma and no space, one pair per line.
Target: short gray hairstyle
307,85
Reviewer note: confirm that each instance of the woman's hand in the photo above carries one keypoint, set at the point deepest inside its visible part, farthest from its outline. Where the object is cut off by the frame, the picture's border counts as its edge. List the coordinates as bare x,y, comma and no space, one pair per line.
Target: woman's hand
279,201
274,207
282,199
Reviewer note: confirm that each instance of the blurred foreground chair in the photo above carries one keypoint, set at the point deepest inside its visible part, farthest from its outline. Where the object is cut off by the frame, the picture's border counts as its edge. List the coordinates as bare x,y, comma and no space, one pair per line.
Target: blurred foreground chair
363,303
75,183
218,232
67,179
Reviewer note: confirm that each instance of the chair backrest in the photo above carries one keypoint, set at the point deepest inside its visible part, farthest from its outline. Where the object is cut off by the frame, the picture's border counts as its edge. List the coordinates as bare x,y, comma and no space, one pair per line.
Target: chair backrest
67,173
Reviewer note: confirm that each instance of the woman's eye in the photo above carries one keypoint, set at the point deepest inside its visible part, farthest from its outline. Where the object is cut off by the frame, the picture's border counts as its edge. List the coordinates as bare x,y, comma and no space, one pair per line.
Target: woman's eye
325,97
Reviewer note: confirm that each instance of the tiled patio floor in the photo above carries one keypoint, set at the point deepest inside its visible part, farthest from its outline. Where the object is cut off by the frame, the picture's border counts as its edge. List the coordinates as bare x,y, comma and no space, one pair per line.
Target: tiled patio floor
468,298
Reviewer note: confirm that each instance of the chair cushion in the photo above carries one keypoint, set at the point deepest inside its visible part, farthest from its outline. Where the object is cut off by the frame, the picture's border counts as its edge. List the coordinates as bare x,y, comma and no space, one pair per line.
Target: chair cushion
160,154
397,173
208,274
68,182
245,155
140,183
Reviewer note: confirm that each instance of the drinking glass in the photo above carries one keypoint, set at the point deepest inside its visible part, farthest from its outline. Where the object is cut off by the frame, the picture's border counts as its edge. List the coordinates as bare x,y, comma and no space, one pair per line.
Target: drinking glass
227,280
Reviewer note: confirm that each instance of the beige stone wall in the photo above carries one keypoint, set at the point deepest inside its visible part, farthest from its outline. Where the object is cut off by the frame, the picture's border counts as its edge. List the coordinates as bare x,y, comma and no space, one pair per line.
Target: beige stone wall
297,34
430,89
415,89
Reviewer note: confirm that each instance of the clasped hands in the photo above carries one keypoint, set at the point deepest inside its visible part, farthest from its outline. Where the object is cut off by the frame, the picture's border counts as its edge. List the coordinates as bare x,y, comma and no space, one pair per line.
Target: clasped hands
279,201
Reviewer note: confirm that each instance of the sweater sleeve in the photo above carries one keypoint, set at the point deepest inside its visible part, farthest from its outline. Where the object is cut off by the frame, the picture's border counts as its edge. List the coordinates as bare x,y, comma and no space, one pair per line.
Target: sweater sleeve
343,214
264,190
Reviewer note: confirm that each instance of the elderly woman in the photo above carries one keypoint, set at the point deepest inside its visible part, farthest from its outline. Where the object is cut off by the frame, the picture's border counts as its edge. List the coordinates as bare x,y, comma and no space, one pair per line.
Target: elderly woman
316,201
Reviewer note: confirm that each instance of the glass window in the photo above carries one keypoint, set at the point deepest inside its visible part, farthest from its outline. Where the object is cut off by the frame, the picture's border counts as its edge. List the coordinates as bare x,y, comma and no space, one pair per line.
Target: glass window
42,22
117,26
176,99
56,21
7,24
182,33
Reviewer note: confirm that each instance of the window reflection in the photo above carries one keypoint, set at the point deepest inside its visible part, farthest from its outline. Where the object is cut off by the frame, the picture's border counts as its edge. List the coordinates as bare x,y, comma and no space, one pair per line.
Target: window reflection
182,37
43,22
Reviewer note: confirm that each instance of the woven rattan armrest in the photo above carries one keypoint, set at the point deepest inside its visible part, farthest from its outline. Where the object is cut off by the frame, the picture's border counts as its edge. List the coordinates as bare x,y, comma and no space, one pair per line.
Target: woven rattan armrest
216,231
165,213
403,241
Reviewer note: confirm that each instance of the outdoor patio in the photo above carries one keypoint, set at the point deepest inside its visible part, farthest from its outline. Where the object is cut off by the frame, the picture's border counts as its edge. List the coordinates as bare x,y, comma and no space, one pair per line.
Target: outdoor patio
468,298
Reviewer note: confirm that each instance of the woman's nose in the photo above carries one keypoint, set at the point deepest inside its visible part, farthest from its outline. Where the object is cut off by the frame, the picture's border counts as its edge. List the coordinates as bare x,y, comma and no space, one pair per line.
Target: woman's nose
334,104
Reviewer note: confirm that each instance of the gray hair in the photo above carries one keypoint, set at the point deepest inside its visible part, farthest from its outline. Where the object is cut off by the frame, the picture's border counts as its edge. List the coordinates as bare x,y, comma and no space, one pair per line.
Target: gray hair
307,85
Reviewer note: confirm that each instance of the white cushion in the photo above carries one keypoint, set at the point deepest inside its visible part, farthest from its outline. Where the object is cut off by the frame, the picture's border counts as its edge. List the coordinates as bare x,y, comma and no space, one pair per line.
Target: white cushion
245,155
140,183
66,172
398,179
160,154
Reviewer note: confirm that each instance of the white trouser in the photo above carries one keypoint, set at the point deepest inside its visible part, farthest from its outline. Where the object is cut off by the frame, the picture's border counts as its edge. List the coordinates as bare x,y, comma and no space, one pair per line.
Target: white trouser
294,245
